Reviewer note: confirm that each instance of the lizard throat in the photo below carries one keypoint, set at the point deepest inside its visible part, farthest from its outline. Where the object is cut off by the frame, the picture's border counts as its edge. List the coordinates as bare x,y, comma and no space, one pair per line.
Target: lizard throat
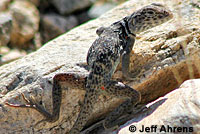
125,26
124,32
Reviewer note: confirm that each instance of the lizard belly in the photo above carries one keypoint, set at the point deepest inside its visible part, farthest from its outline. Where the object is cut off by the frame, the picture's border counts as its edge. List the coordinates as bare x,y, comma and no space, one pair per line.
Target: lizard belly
116,63
112,71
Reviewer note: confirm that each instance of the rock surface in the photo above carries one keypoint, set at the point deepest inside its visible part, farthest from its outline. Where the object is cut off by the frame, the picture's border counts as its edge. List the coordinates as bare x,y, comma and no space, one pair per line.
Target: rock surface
5,28
180,109
162,59
25,22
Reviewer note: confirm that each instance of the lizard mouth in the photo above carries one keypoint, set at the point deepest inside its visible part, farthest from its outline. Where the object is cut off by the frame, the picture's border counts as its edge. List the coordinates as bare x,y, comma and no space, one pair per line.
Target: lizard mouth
149,17
161,11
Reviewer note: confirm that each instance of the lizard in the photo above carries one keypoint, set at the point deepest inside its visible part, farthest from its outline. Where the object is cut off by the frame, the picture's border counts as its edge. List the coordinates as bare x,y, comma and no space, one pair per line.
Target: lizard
113,43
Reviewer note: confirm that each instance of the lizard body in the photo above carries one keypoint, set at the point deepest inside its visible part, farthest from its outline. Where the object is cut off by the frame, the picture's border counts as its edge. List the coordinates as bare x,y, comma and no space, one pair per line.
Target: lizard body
114,42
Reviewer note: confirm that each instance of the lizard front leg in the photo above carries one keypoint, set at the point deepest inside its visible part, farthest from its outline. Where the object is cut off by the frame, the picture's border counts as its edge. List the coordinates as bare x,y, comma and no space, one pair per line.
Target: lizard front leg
126,57
131,96
100,30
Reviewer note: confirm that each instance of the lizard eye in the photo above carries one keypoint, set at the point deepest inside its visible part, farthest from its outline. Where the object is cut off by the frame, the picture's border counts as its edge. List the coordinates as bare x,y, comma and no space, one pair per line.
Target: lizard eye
150,12
160,16
166,13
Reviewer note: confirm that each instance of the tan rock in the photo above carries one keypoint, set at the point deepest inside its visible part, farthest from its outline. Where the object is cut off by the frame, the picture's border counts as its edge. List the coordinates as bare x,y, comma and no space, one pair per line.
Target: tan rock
35,2
25,22
177,112
12,55
37,41
4,4
5,28
4,50
34,43
162,59
174,61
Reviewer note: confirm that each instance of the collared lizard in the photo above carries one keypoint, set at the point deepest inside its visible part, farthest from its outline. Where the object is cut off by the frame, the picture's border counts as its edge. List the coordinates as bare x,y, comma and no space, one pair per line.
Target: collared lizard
114,42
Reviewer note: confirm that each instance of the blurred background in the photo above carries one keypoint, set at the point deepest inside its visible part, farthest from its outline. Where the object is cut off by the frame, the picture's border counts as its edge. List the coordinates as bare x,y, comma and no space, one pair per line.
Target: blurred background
26,25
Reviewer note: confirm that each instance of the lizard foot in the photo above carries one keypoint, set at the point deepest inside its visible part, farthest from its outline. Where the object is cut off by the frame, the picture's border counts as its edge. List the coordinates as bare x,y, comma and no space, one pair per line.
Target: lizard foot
110,126
31,103
74,131
138,108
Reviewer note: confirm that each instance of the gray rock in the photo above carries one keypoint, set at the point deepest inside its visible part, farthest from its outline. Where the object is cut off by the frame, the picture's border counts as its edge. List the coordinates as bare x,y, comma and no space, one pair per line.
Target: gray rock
83,17
68,6
162,58
53,25
44,5
5,28
99,9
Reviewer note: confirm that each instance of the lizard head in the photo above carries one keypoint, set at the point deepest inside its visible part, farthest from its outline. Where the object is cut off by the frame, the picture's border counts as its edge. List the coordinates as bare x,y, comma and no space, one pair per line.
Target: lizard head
148,17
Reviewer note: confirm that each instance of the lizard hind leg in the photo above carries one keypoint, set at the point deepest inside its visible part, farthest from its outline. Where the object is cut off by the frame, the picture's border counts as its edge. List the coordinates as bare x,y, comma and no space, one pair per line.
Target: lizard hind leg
76,81
131,97
85,111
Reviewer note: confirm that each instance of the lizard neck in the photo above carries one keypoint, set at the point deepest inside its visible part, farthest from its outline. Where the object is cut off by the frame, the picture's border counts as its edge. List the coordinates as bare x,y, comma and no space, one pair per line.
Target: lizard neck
122,27
123,30
125,27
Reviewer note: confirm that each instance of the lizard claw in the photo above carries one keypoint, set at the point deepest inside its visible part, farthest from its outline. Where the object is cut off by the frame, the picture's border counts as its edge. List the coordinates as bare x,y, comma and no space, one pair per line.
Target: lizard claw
43,120
29,103
46,120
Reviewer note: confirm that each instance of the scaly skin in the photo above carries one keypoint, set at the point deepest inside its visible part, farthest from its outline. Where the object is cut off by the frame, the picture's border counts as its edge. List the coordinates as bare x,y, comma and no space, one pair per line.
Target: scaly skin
114,42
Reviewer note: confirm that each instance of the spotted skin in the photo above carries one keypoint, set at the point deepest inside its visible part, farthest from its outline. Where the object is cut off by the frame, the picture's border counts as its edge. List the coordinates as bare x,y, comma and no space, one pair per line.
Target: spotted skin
114,42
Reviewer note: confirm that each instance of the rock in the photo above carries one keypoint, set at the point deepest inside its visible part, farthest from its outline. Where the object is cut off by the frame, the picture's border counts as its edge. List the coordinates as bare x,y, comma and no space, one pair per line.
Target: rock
5,28
162,59
68,6
37,41
0,59
177,112
83,17
12,55
4,4
35,2
34,43
25,23
53,25
99,9
45,6
4,50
